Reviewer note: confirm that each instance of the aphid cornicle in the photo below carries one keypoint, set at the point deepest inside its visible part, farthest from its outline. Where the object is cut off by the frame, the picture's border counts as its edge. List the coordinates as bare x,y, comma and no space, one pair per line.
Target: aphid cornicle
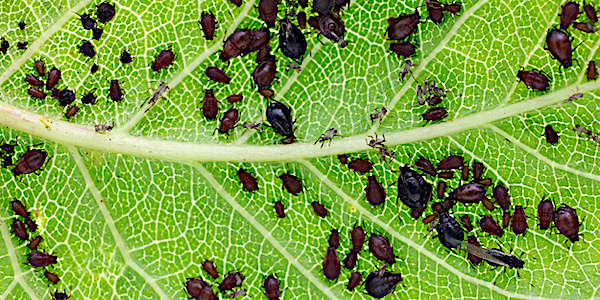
105,12
31,79
381,248
40,68
469,193
207,21
198,289
248,181
34,243
232,280
271,287
40,259
319,209
114,92
592,72
375,191
30,162
279,209
265,72
164,59
210,269
291,40
36,93
216,74
291,183
449,231
551,135
97,33
534,80
51,277
413,190
20,229
331,264
87,49
19,208
567,222
381,283
360,165
545,213
230,117
402,26
501,196
210,105
426,166
519,220
569,13
334,238
350,260
559,45
267,11
489,225
354,281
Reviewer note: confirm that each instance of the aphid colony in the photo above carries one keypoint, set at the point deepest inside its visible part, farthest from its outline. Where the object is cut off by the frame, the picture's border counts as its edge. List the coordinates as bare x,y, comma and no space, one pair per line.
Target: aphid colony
229,286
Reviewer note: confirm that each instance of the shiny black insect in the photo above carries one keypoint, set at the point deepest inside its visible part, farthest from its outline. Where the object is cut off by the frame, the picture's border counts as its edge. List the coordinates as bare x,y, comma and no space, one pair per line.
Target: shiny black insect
164,59
210,105
592,72
30,162
40,68
89,98
87,22
381,283
381,248
334,238
232,281
489,225
3,45
279,209
248,181
216,74
331,264
97,33
19,208
66,97
360,165
519,220
114,92
20,229
51,277
559,45
551,135
567,222
198,289
87,49
291,40
354,281
264,74
105,12
501,196
291,183
279,117
40,259
208,21
271,287
72,111
319,209
210,269
402,26
569,13
32,80
469,193
426,166
94,68
332,27
545,213
534,80
449,231
267,10
230,117
413,190
53,78
125,57
375,191
34,243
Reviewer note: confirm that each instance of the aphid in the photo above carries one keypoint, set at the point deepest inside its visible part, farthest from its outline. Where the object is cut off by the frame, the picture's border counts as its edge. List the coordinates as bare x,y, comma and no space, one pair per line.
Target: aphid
501,196
449,231
385,153
40,68
236,44
89,98
198,289
350,260
331,264
343,158
477,170
210,269
207,21
267,10
473,258
40,259
314,22
229,119
469,193
248,181
291,40
379,114
97,33
489,225
30,162
451,162
506,219
441,189
271,287
22,45
72,111
404,49
448,204
301,17
265,72
210,105
51,277
579,128
340,3
30,224
36,93
164,59
416,213
452,8
354,281
592,72
569,13
551,135
464,173
60,296
232,281
295,67
413,190
22,25
358,238
87,22
255,126
105,12
237,3
485,181
291,183
465,221
3,45
376,141
20,229
360,165
87,49
584,27
104,127
334,239
8,148
402,26
53,78
94,68
260,39
381,248
590,11
508,260
375,192
407,65
215,74
267,93
66,97
114,92
434,8
319,209
34,243
426,166
322,6
280,118
545,213
125,57
381,283
327,136
519,220
488,204
559,45
534,80
32,80
19,208
333,28
434,114
279,209
234,98
567,222
437,207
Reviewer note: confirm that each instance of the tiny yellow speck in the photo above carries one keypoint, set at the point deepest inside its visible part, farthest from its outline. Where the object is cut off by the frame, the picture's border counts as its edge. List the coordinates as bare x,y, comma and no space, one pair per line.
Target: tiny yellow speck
46,122
353,209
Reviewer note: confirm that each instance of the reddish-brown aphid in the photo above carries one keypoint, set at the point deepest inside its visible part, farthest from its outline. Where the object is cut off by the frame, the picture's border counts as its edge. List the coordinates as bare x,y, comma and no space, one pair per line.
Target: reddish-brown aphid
279,209
53,78
404,49
29,78
72,111
437,207
236,44
30,224
485,181
434,8
350,260
567,222
519,220
271,287
429,218
343,158
590,11
452,8
434,114
551,135
198,289
40,259
354,281
535,80
381,248
569,13
331,264
465,173
501,196
232,280
248,181
234,98
207,21
426,166
267,10
210,105
472,258
360,165
263,53
451,162
36,93
477,170
301,19
584,27
265,72
210,269
229,119
291,183
466,222
469,193
448,204
114,92
217,75
358,238
402,26
319,209
30,162
334,239
375,192
40,68
506,219
559,45
592,72
19,208
164,59
446,174
416,213
20,229
488,204
267,93
441,189
34,243
51,277
545,213
489,225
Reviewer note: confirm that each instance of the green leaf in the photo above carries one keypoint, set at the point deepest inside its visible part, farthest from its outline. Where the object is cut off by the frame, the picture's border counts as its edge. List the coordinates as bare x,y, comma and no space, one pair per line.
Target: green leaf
134,212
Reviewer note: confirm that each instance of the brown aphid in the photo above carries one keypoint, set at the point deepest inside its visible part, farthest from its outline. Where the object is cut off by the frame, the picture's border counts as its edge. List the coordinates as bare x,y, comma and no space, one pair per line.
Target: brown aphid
53,78
489,225
559,45
291,183
584,27
72,111
31,225
469,193
465,221
360,165
267,93
267,10
236,44
164,59
271,287
22,45
519,220
216,74
51,277
36,93
569,13
446,174
334,239
40,259
32,80
448,204
430,218
237,3
485,181
198,289
381,248
40,68
592,72
441,189
265,72
301,19
434,114
210,269
34,243
235,98
464,173
30,162
416,213
452,8
279,209
210,105
506,218
567,222
534,80
402,26
590,11
354,281
248,181
477,170
358,238
343,158
473,258
208,21
229,119
379,114
19,208
551,135
319,209
545,213
232,281
350,260
451,162
404,49
437,207
303,3
489,205
501,196
331,264
375,191
20,229
436,13
426,166
114,92
263,53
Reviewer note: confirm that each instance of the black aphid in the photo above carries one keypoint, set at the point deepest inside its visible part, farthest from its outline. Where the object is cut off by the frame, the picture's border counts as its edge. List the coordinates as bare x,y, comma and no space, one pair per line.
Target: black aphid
506,218
232,281
469,193
20,209
60,295
545,213
248,181
519,220
279,209
350,260
279,117
449,231
559,45
413,190
40,68
551,135
53,78
87,21
3,45
569,13
164,59
322,6
331,264
434,114
30,162
97,33
210,269
230,117
114,92
334,238
89,98
592,72
265,72
358,238
210,105
198,289
267,11
291,183
375,191
452,8
267,93
441,189
436,13
567,222
208,21
381,283
22,25
125,57
489,225
94,68
20,229
501,196
34,243
534,80
354,281
464,173
291,40
40,259
360,165
22,45
381,248
66,97
343,158
105,12
271,287
319,209
51,277
402,26
32,80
